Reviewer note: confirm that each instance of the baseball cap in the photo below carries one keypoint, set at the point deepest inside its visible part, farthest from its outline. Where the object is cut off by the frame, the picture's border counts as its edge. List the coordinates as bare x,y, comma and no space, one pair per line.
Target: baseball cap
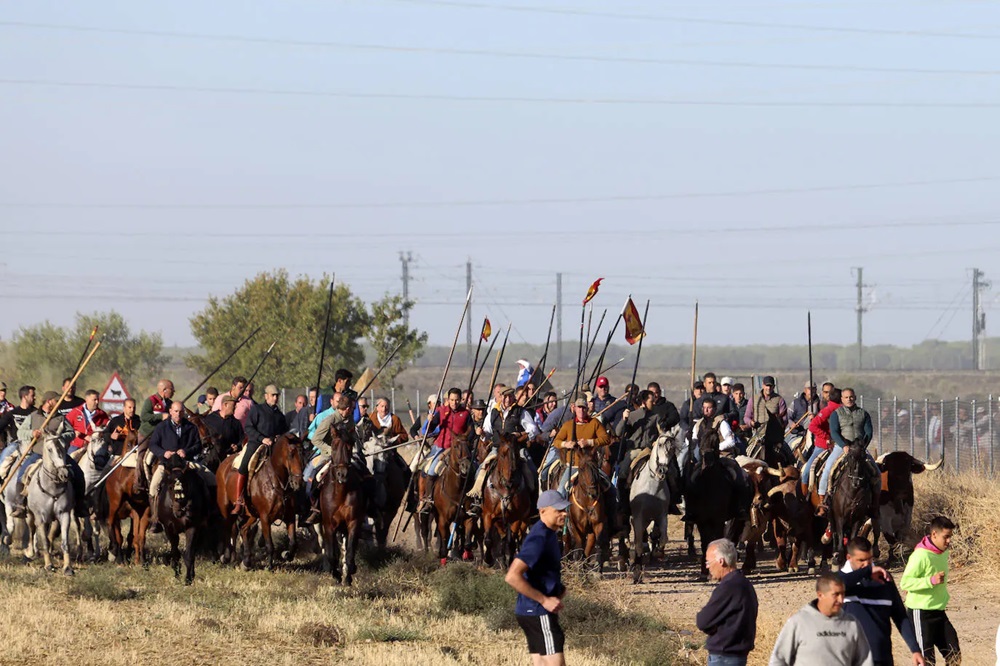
50,395
602,382
699,385
580,402
551,499
433,397
479,404
270,389
768,380
228,398
727,381
508,391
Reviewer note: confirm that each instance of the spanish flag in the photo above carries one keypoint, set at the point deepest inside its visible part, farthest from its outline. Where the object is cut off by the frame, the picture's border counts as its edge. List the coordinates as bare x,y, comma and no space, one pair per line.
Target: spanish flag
593,290
633,323
487,329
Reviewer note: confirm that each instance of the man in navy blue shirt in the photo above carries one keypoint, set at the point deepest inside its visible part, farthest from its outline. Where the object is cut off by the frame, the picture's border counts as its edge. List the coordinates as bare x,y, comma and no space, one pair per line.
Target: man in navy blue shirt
535,574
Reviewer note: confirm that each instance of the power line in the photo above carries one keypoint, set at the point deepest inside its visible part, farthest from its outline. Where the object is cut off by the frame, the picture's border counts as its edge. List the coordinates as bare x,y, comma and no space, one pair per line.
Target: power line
521,202
493,53
569,11
493,99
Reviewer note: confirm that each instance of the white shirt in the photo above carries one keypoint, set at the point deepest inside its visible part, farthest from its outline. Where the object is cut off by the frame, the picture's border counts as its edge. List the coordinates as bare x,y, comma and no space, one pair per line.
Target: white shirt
527,423
724,431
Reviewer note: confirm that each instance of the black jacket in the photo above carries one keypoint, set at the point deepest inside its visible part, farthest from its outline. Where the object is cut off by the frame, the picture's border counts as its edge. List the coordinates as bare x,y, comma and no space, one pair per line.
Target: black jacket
229,430
164,438
874,605
265,421
667,412
730,616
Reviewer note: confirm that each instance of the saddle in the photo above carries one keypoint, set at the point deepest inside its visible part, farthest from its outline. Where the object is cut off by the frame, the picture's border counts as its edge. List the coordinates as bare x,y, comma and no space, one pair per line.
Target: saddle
29,473
433,466
635,465
817,470
257,460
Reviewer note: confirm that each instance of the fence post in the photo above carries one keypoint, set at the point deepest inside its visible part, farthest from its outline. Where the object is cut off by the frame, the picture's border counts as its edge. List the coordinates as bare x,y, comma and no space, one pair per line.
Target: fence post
927,429
990,414
958,438
975,438
878,408
941,429
418,403
911,426
895,424
392,399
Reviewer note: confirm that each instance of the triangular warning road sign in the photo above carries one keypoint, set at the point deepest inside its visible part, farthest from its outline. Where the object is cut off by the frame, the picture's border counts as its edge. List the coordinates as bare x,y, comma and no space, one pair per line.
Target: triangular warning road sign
115,391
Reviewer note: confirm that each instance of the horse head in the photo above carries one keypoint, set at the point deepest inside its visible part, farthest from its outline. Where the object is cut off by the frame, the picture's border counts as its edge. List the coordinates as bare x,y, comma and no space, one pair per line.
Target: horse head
660,457
708,444
211,446
340,452
287,453
459,458
54,458
99,448
506,466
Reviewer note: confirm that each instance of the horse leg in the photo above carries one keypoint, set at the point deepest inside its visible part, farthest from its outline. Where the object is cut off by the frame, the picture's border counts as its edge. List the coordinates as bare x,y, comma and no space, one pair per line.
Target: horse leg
689,537
141,555
488,540
174,539
350,566
638,546
190,536
29,552
65,523
289,554
44,533
265,528
246,537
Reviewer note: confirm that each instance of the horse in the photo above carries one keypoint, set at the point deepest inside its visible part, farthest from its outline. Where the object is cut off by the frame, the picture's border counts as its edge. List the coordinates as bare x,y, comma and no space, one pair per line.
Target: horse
94,460
448,498
793,521
649,499
392,476
272,489
854,499
342,507
50,504
588,520
126,500
507,506
711,496
184,508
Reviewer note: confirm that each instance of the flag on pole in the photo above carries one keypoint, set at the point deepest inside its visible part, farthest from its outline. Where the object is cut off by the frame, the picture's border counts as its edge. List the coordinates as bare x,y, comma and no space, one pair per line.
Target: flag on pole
487,329
593,290
633,323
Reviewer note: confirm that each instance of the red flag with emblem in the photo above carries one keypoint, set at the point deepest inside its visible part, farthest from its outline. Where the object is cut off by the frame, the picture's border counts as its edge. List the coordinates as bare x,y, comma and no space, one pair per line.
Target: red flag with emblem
633,323
487,329
593,290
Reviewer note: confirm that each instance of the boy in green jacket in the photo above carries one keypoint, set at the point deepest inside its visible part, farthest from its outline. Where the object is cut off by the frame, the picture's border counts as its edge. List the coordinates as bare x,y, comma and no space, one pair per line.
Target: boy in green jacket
926,582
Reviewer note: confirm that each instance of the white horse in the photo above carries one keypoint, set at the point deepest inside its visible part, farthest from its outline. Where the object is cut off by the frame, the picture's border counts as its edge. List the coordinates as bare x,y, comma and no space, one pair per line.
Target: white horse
94,462
649,498
14,528
50,503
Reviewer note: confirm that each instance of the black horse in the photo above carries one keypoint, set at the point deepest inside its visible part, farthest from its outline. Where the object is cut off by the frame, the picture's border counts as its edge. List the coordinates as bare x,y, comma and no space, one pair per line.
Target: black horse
185,508
854,500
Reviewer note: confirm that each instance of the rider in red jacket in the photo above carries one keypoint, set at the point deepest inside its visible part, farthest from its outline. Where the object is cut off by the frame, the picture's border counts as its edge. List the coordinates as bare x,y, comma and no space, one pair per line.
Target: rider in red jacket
85,418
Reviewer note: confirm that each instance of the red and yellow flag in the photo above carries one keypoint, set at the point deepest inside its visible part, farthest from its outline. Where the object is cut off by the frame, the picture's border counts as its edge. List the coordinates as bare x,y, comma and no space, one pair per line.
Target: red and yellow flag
593,290
633,323
487,329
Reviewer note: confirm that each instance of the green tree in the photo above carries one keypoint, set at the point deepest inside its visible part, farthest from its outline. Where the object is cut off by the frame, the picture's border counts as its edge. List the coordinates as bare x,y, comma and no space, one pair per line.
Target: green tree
46,353
387,329
293,314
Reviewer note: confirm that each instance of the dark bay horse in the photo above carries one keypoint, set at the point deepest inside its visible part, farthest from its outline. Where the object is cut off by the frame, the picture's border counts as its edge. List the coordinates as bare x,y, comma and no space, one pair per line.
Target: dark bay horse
185,505
126,500
342,505
273,490
854,499
449,499
588,520
507,506
473,526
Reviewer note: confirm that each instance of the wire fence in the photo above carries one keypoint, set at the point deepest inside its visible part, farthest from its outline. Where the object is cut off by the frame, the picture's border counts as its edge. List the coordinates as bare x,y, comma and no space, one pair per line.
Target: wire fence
964,430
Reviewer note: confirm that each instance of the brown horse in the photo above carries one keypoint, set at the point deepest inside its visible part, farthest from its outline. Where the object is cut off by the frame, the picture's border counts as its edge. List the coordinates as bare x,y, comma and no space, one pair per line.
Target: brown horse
472,525
793,522
448,499
506,506
588,520
125,500
272,490
342,505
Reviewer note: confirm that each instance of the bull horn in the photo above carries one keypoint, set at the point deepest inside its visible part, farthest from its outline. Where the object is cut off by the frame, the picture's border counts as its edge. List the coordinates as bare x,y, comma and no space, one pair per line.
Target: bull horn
931,468
775,472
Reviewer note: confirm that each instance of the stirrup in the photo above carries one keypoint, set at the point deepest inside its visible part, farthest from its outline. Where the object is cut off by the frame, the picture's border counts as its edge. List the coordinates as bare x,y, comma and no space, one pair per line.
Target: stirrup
19,511
314,514
475,506
238,507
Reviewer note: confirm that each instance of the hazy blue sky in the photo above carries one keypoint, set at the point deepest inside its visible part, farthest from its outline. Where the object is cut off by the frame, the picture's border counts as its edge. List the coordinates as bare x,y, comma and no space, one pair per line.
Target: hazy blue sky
746,154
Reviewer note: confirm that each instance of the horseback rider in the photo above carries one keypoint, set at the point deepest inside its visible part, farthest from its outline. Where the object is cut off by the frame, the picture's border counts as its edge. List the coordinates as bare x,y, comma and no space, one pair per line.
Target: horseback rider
264,425
386,423
724,405
224,425
741,430
121,425
849,423
590,434
806,402
340,420
454,421
155,410
175,436
638,431
770,412
11,421
366,429
85,418
727,457
59,427
513,422
71,401
242,392
819,426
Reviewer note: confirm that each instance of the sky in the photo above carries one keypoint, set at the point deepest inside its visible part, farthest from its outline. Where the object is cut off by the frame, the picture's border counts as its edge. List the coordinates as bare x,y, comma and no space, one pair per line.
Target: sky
746,155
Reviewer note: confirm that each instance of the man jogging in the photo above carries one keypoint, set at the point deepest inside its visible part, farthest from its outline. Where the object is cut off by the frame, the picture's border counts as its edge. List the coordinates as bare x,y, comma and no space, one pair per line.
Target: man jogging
535,574
872,598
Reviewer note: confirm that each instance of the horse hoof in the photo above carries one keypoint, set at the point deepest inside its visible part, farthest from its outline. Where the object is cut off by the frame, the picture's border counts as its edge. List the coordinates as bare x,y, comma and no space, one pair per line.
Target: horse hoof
69,572
50,569
812,571
188,581
793,570
286,555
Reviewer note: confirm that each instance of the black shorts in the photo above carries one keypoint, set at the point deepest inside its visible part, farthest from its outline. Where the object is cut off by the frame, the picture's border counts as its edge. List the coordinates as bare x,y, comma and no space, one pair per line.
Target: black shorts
545,636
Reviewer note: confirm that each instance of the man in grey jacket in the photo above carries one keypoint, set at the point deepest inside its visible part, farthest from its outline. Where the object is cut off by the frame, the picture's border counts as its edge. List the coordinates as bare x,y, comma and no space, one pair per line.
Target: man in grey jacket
821,634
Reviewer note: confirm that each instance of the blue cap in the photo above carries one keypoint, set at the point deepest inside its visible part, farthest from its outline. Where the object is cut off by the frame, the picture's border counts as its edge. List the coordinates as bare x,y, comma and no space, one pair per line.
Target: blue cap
552,499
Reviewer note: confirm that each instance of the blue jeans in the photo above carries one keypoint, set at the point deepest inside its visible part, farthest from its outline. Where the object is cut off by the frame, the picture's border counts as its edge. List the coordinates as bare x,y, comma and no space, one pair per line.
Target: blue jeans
549,457
431,460
816,453
726,660
824,482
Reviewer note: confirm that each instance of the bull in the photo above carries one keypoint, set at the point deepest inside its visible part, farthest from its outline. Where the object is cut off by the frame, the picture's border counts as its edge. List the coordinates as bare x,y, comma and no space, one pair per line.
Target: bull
896,499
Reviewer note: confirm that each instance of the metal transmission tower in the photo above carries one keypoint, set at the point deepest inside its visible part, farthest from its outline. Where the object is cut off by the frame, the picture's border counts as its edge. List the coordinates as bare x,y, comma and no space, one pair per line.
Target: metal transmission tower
405,258
978,320
860,309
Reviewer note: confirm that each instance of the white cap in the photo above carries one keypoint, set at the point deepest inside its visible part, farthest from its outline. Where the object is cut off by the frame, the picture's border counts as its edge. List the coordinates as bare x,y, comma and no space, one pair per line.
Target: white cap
523,363
433,397
727,380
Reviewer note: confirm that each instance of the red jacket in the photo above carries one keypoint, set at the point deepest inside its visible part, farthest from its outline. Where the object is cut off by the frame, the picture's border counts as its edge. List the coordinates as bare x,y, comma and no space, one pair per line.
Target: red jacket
78,420
819,426
453,425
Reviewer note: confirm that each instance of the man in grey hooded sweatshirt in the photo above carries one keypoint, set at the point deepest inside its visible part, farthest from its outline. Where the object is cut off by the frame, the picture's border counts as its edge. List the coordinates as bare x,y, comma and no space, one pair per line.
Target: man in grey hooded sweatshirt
821,634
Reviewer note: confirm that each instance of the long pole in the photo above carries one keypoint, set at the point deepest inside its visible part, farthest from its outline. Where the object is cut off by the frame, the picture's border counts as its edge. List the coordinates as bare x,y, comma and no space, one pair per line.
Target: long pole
475,361
694,356
444,378
382,367
219,367
496,365
86,348
19,455
812,384
593,341
257,369
635,371
607,343
548,339
326,335
576,390
482,366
